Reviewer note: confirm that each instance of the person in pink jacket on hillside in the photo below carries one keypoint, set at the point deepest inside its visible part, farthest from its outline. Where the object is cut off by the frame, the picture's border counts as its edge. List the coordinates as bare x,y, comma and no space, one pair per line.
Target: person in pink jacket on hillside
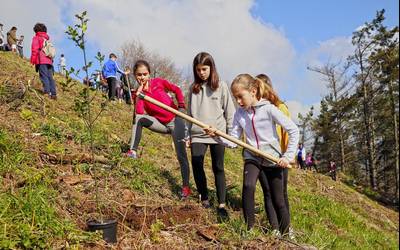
43,64
158,119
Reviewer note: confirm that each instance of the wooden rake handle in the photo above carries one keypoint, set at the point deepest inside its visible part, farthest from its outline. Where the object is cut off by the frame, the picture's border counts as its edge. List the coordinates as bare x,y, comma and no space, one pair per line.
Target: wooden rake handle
203,125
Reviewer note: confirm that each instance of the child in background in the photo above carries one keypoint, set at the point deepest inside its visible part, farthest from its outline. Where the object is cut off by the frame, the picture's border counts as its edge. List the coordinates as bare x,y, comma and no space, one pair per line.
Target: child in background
257,118
110,70
20,46
301,156
62,65
159,120
332,170
210,102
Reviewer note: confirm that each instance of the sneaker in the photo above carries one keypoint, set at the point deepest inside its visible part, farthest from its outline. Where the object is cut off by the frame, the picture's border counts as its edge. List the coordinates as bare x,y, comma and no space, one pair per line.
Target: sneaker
206,204
185,192
131,154
222,214
276,233
291,234
54,97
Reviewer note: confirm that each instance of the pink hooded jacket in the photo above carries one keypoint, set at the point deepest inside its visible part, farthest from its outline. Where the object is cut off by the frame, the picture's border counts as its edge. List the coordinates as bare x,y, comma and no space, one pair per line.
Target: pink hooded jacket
158,90
37,55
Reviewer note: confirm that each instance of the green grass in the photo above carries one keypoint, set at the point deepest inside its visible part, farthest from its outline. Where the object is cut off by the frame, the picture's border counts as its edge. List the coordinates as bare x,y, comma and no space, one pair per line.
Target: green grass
31,217
28,217
329,224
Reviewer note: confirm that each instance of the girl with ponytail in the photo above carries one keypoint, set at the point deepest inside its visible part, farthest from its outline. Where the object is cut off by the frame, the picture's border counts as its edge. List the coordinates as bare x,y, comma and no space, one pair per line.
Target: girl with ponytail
257,118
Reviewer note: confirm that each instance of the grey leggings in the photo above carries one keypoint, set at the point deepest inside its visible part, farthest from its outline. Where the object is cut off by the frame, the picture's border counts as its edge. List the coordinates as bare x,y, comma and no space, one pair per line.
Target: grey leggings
176,128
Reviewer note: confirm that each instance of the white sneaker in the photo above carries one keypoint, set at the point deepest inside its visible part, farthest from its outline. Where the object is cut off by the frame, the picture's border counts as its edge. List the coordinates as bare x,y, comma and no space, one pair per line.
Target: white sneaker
291,234
276,233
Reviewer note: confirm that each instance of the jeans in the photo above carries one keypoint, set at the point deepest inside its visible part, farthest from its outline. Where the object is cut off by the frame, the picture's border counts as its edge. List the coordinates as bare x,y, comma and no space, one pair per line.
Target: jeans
46,72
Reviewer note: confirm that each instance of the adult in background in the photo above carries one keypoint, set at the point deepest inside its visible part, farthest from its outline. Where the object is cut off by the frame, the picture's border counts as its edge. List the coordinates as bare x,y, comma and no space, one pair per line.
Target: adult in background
12,39
110,70
2,39
43,64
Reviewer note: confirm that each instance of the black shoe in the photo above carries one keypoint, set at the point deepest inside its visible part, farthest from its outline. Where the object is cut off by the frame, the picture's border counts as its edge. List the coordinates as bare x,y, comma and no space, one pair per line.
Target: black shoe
206,204
222,214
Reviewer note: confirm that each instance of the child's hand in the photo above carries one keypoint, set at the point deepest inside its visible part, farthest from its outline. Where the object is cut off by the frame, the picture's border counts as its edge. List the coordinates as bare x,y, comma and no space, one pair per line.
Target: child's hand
283,162
188,142
210,131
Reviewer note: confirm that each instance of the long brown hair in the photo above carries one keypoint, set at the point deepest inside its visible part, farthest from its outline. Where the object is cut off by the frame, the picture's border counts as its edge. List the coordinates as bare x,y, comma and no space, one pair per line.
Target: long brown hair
213,81
248,82
272,96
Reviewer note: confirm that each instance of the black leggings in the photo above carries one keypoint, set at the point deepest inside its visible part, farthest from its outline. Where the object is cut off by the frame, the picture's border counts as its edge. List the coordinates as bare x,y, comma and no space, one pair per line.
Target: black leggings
217,158
273,181
269,207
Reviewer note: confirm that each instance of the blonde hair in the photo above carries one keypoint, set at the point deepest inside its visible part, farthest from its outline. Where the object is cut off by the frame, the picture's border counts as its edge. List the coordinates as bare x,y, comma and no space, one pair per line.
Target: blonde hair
272,96
265,91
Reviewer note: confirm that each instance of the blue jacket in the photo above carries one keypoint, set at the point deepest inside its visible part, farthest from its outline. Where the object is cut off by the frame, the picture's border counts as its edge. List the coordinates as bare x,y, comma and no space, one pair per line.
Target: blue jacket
111,68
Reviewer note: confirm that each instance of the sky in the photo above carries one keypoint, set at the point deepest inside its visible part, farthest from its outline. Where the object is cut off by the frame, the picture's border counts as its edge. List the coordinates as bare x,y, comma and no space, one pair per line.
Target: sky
277,38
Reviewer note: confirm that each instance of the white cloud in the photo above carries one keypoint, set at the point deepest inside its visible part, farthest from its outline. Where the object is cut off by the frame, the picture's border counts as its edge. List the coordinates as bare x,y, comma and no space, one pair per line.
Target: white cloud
180,29
25,14
296,107
334,50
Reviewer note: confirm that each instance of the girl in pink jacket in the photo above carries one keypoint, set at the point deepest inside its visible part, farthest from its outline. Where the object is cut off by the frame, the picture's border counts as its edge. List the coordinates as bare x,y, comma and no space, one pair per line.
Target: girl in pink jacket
158,119
43,63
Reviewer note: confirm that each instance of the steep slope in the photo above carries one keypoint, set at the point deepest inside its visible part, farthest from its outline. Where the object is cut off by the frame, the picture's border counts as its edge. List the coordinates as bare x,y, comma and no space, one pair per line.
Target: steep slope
47,186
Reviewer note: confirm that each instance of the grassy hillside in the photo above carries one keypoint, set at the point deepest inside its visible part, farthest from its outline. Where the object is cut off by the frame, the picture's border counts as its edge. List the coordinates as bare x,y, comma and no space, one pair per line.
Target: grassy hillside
47,186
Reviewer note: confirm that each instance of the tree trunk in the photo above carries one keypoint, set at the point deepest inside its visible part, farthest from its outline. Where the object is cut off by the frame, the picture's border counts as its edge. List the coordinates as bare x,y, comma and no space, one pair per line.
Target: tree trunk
369,135
396,134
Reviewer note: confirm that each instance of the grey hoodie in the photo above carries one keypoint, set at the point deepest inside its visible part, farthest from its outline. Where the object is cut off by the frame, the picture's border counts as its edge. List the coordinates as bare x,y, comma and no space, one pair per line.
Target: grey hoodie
214,108
259,125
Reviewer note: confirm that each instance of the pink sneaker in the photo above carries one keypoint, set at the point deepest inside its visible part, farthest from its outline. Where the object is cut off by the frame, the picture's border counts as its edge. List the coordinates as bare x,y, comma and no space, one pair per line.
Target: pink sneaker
185,192
131,154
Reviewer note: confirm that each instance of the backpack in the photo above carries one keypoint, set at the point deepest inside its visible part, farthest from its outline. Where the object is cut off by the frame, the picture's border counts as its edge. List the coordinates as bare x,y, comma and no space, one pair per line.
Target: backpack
48,49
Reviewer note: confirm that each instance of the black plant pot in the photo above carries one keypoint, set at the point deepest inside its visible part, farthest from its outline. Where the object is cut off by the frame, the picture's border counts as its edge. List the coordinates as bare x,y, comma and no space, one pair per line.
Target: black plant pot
109,228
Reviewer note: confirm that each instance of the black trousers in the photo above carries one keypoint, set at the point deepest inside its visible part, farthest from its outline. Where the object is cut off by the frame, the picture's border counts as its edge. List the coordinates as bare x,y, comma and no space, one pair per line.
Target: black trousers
273,181
269,206
112,87
217,158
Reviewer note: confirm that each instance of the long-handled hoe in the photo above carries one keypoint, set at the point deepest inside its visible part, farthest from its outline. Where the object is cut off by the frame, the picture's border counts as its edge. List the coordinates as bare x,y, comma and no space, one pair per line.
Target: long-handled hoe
219,133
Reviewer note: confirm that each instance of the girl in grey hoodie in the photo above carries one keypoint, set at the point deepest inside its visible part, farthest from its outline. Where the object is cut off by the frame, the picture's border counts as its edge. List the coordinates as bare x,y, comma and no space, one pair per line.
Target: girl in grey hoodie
209,102
257,119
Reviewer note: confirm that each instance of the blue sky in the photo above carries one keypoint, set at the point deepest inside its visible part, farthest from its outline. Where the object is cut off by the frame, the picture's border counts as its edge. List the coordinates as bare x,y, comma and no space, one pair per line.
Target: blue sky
308,23
280,38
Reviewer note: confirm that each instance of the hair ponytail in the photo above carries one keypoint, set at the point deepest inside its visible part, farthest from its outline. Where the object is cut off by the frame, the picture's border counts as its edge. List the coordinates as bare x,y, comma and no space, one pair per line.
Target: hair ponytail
264,90
268,91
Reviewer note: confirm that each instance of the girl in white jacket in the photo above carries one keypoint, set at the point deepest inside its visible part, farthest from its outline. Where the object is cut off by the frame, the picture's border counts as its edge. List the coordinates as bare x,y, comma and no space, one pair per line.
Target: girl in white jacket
257,118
